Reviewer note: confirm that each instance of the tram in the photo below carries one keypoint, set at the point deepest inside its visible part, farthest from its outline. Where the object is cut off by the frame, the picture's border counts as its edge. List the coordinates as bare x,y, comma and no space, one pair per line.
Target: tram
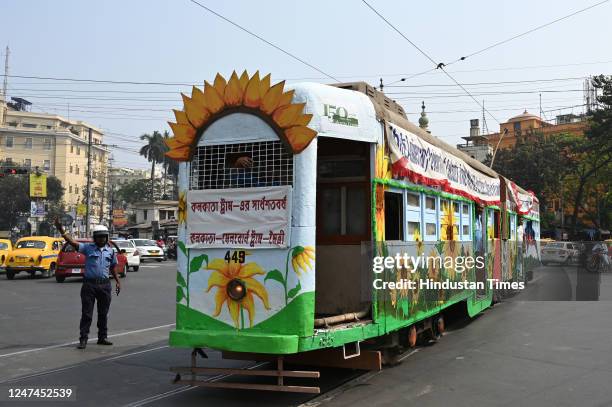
287,193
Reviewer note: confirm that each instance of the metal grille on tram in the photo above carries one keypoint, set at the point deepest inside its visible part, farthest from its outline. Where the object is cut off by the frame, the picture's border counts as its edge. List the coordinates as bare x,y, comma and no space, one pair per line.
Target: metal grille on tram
214,167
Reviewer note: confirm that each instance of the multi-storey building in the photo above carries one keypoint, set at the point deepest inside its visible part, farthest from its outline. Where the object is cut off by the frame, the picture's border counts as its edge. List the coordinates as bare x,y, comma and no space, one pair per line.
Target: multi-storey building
58,147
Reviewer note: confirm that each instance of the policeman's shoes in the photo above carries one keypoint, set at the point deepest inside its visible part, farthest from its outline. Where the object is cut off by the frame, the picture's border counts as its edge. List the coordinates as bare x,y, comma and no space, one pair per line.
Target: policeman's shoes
104,341
82,344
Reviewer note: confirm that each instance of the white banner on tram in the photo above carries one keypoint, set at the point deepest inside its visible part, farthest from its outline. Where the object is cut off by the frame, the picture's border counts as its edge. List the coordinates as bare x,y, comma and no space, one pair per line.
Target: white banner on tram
424,163
239,217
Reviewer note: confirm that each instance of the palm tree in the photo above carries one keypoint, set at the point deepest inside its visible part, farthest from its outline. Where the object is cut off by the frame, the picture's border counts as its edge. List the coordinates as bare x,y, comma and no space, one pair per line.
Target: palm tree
154,152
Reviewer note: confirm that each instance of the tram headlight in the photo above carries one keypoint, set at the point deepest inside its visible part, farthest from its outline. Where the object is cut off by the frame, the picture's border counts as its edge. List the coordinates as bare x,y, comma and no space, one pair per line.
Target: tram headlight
236,289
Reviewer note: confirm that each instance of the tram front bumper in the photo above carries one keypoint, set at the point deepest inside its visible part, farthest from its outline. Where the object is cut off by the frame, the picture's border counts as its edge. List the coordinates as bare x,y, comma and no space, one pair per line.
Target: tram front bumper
235,341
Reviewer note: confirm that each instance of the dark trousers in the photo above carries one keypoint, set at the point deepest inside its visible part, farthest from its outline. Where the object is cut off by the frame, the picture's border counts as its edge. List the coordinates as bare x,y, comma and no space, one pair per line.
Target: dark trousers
90,293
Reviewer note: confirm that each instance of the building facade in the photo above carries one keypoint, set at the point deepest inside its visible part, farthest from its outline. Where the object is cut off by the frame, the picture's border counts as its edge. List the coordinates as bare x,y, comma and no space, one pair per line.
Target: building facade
58,147
528,125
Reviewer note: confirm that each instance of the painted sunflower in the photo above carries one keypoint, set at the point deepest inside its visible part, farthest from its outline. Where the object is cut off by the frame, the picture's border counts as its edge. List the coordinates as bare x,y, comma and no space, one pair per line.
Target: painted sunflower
182,208
224,275
301,257
244,92
420,246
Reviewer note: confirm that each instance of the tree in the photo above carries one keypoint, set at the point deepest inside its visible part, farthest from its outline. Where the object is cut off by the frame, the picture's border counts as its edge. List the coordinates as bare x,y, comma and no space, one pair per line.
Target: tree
15,199
138,191
594,153
154,151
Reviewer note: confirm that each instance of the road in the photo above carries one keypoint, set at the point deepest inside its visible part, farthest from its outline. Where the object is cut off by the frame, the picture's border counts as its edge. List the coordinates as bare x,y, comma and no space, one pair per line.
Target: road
545,353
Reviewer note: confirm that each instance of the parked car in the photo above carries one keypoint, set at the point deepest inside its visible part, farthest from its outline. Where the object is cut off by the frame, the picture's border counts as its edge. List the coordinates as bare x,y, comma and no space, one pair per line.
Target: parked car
561,252
149,249
32,254
72,263
5,249
128,248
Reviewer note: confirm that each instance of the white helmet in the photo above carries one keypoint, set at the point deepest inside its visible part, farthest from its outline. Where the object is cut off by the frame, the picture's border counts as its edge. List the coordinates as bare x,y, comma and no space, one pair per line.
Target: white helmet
100,230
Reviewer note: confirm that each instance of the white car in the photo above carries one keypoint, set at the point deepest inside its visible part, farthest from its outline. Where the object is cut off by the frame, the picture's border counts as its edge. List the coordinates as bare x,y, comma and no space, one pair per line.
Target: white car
132,254
149,249
560,252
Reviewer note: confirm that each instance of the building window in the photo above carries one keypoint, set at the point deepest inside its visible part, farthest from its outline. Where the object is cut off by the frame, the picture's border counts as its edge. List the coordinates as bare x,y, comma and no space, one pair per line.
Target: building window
71,168
9,141
78,150
29,125
47,165
9,160
71,148
145,214
47,145
517,127
27,163
77,170
70,188
28,143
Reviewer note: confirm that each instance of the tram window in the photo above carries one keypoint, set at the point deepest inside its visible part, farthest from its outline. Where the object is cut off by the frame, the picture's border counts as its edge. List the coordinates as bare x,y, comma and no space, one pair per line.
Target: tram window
430,203
356,217
413,216
456,206
466,222
430,218
330,208
413,200
394,221
243,165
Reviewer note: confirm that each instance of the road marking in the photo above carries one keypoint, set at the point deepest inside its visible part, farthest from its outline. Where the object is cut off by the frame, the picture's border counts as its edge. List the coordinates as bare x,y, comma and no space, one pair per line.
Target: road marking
183,389
61,345
61,369
409,354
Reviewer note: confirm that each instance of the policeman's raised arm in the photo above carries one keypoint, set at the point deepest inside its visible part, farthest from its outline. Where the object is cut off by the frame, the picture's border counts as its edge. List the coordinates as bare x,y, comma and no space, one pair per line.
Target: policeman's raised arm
65,234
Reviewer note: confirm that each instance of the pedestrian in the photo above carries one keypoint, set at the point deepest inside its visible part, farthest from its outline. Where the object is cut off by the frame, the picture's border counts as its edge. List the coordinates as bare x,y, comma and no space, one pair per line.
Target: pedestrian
100,261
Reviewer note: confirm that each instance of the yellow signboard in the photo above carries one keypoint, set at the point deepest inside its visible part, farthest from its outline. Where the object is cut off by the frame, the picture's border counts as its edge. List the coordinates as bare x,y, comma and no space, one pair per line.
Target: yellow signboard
81,210
38,186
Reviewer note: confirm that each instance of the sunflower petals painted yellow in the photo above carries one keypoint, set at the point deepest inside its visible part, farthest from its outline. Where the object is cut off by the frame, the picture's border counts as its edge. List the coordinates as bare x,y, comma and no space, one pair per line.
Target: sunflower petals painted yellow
299,137
301,260
284,116
223,273
233,91
252,97
272,98
214,101
253,93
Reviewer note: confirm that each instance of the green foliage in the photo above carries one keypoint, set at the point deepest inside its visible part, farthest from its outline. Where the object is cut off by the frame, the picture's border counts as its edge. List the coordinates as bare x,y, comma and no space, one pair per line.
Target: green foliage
180,280
182,247
275,275
196,263
138,191
293,292
179,294
15,198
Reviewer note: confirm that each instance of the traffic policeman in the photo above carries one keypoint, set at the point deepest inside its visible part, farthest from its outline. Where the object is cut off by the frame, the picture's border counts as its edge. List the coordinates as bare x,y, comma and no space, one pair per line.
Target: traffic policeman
100,261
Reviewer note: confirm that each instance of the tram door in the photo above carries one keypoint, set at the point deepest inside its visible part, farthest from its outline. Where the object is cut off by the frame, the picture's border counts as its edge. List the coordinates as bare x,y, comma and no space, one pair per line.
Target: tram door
343,223
480,239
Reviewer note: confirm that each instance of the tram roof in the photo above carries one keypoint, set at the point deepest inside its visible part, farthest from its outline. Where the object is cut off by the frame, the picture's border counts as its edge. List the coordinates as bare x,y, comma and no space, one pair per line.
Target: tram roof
368,106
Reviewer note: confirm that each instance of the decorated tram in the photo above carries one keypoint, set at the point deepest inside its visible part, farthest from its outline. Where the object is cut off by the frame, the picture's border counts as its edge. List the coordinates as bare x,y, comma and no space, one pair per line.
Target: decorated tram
288,193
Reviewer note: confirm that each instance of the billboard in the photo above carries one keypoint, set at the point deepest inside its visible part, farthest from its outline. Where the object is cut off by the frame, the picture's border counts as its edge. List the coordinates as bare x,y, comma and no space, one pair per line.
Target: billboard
119,218
38,185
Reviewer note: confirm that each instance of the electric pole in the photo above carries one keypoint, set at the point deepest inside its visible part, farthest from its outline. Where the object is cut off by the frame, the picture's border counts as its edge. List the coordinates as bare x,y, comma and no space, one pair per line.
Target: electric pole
88,195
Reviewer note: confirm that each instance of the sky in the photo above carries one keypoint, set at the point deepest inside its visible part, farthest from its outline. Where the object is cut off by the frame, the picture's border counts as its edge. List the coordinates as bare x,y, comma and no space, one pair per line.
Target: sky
178,42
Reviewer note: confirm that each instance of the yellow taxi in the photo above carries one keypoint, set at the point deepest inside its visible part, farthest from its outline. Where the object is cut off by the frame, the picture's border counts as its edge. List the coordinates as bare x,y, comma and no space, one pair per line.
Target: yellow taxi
32,254
5,248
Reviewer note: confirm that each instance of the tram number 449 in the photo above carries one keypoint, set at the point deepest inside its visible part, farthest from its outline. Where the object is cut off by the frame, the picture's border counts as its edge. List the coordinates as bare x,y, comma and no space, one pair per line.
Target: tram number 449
237,257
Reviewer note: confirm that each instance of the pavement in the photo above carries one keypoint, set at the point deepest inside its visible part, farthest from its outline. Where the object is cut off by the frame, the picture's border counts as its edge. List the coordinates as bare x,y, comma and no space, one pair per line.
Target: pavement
542,349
